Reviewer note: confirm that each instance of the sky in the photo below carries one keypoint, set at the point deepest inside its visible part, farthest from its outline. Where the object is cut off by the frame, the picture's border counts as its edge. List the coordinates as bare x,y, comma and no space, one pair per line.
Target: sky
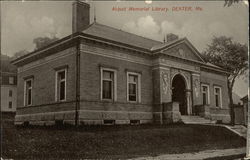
21,22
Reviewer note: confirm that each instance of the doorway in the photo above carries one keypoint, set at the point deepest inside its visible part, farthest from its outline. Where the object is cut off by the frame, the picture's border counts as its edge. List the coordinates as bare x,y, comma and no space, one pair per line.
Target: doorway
179,94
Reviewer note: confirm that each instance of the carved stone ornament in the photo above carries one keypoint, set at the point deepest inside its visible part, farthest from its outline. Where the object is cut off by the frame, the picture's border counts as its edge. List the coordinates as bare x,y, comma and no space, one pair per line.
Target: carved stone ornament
165,80
196,68
181,53
196,87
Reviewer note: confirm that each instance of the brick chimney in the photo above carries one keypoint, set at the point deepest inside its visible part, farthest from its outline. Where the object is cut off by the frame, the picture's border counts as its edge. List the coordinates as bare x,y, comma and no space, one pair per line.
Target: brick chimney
171,37
80,16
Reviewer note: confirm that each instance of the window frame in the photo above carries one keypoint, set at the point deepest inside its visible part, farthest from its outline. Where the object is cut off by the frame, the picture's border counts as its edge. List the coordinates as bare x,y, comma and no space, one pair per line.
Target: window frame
25,92
114,90
138,87
208,93
10,106
57,85
220,96
11,80
10,93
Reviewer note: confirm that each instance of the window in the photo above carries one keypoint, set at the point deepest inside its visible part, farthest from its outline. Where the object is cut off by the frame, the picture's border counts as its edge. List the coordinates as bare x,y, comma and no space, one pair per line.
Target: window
11,80
133,87
217,94
10,93
60,92
205,94
10,104
108,84
28,92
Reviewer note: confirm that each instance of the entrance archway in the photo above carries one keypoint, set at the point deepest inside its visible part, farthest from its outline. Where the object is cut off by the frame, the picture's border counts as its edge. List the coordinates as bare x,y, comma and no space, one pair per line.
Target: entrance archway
179,94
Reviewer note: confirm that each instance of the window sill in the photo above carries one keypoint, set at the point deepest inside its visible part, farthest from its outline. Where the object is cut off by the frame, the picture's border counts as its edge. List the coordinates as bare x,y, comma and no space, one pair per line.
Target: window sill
107,100
134,102
217,108
60,101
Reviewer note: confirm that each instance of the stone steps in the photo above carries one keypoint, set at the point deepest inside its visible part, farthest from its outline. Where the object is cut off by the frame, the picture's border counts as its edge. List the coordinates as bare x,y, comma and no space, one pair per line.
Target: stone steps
239,129
196,120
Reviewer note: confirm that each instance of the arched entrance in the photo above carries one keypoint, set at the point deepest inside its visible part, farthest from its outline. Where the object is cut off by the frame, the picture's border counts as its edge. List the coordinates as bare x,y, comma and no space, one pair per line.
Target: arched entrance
179,94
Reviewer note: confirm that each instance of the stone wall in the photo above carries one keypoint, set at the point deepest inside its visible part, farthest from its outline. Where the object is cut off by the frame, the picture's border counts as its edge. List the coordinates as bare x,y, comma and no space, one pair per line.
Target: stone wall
93,110
43,72
43,90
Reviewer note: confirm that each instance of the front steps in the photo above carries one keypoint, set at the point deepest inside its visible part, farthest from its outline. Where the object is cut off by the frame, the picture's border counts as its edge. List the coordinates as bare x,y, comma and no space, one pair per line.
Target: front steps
238,129
196,120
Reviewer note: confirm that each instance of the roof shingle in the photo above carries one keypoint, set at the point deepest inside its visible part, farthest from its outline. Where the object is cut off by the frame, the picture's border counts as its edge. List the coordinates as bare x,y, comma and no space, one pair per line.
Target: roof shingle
107,32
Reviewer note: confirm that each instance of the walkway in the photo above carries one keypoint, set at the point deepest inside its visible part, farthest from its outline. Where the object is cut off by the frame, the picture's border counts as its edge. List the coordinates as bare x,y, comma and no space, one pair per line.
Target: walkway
197,156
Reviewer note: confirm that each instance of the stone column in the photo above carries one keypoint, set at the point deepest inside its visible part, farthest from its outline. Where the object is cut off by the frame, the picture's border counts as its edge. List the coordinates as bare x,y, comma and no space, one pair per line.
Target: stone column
189,101
161,91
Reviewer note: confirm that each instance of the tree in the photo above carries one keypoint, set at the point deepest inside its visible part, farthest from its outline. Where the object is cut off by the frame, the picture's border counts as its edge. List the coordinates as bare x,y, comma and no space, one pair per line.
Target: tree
41,42
20,53
6,65
228,3
231,56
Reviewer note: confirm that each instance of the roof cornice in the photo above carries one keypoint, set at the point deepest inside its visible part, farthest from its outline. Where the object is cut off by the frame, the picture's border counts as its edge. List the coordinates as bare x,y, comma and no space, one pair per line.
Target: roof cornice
205,66
201,64
79,35
51,46
75,36
177,42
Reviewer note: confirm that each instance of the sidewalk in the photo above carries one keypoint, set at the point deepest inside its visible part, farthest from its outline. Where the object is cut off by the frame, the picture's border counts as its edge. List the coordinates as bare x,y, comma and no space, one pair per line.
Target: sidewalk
197,156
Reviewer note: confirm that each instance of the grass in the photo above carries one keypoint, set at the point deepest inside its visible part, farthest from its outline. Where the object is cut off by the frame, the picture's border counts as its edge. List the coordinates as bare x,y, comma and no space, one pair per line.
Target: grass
112,142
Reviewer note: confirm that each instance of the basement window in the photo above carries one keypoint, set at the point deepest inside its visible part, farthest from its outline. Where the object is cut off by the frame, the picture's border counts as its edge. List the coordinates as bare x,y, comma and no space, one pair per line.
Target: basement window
134,122
109,122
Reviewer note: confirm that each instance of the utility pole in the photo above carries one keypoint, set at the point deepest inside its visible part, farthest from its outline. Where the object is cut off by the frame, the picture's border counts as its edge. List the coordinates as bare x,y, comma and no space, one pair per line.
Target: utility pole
248,131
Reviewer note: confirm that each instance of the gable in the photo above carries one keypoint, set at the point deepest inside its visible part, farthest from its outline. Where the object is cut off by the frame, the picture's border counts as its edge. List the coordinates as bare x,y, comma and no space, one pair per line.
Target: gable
183,50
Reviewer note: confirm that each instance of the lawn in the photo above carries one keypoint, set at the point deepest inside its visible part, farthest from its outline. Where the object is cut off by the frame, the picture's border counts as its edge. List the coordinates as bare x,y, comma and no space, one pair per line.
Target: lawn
112,142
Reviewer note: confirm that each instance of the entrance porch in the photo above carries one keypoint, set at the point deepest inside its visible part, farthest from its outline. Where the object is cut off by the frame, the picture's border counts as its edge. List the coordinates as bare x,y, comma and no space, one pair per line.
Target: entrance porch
175,94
